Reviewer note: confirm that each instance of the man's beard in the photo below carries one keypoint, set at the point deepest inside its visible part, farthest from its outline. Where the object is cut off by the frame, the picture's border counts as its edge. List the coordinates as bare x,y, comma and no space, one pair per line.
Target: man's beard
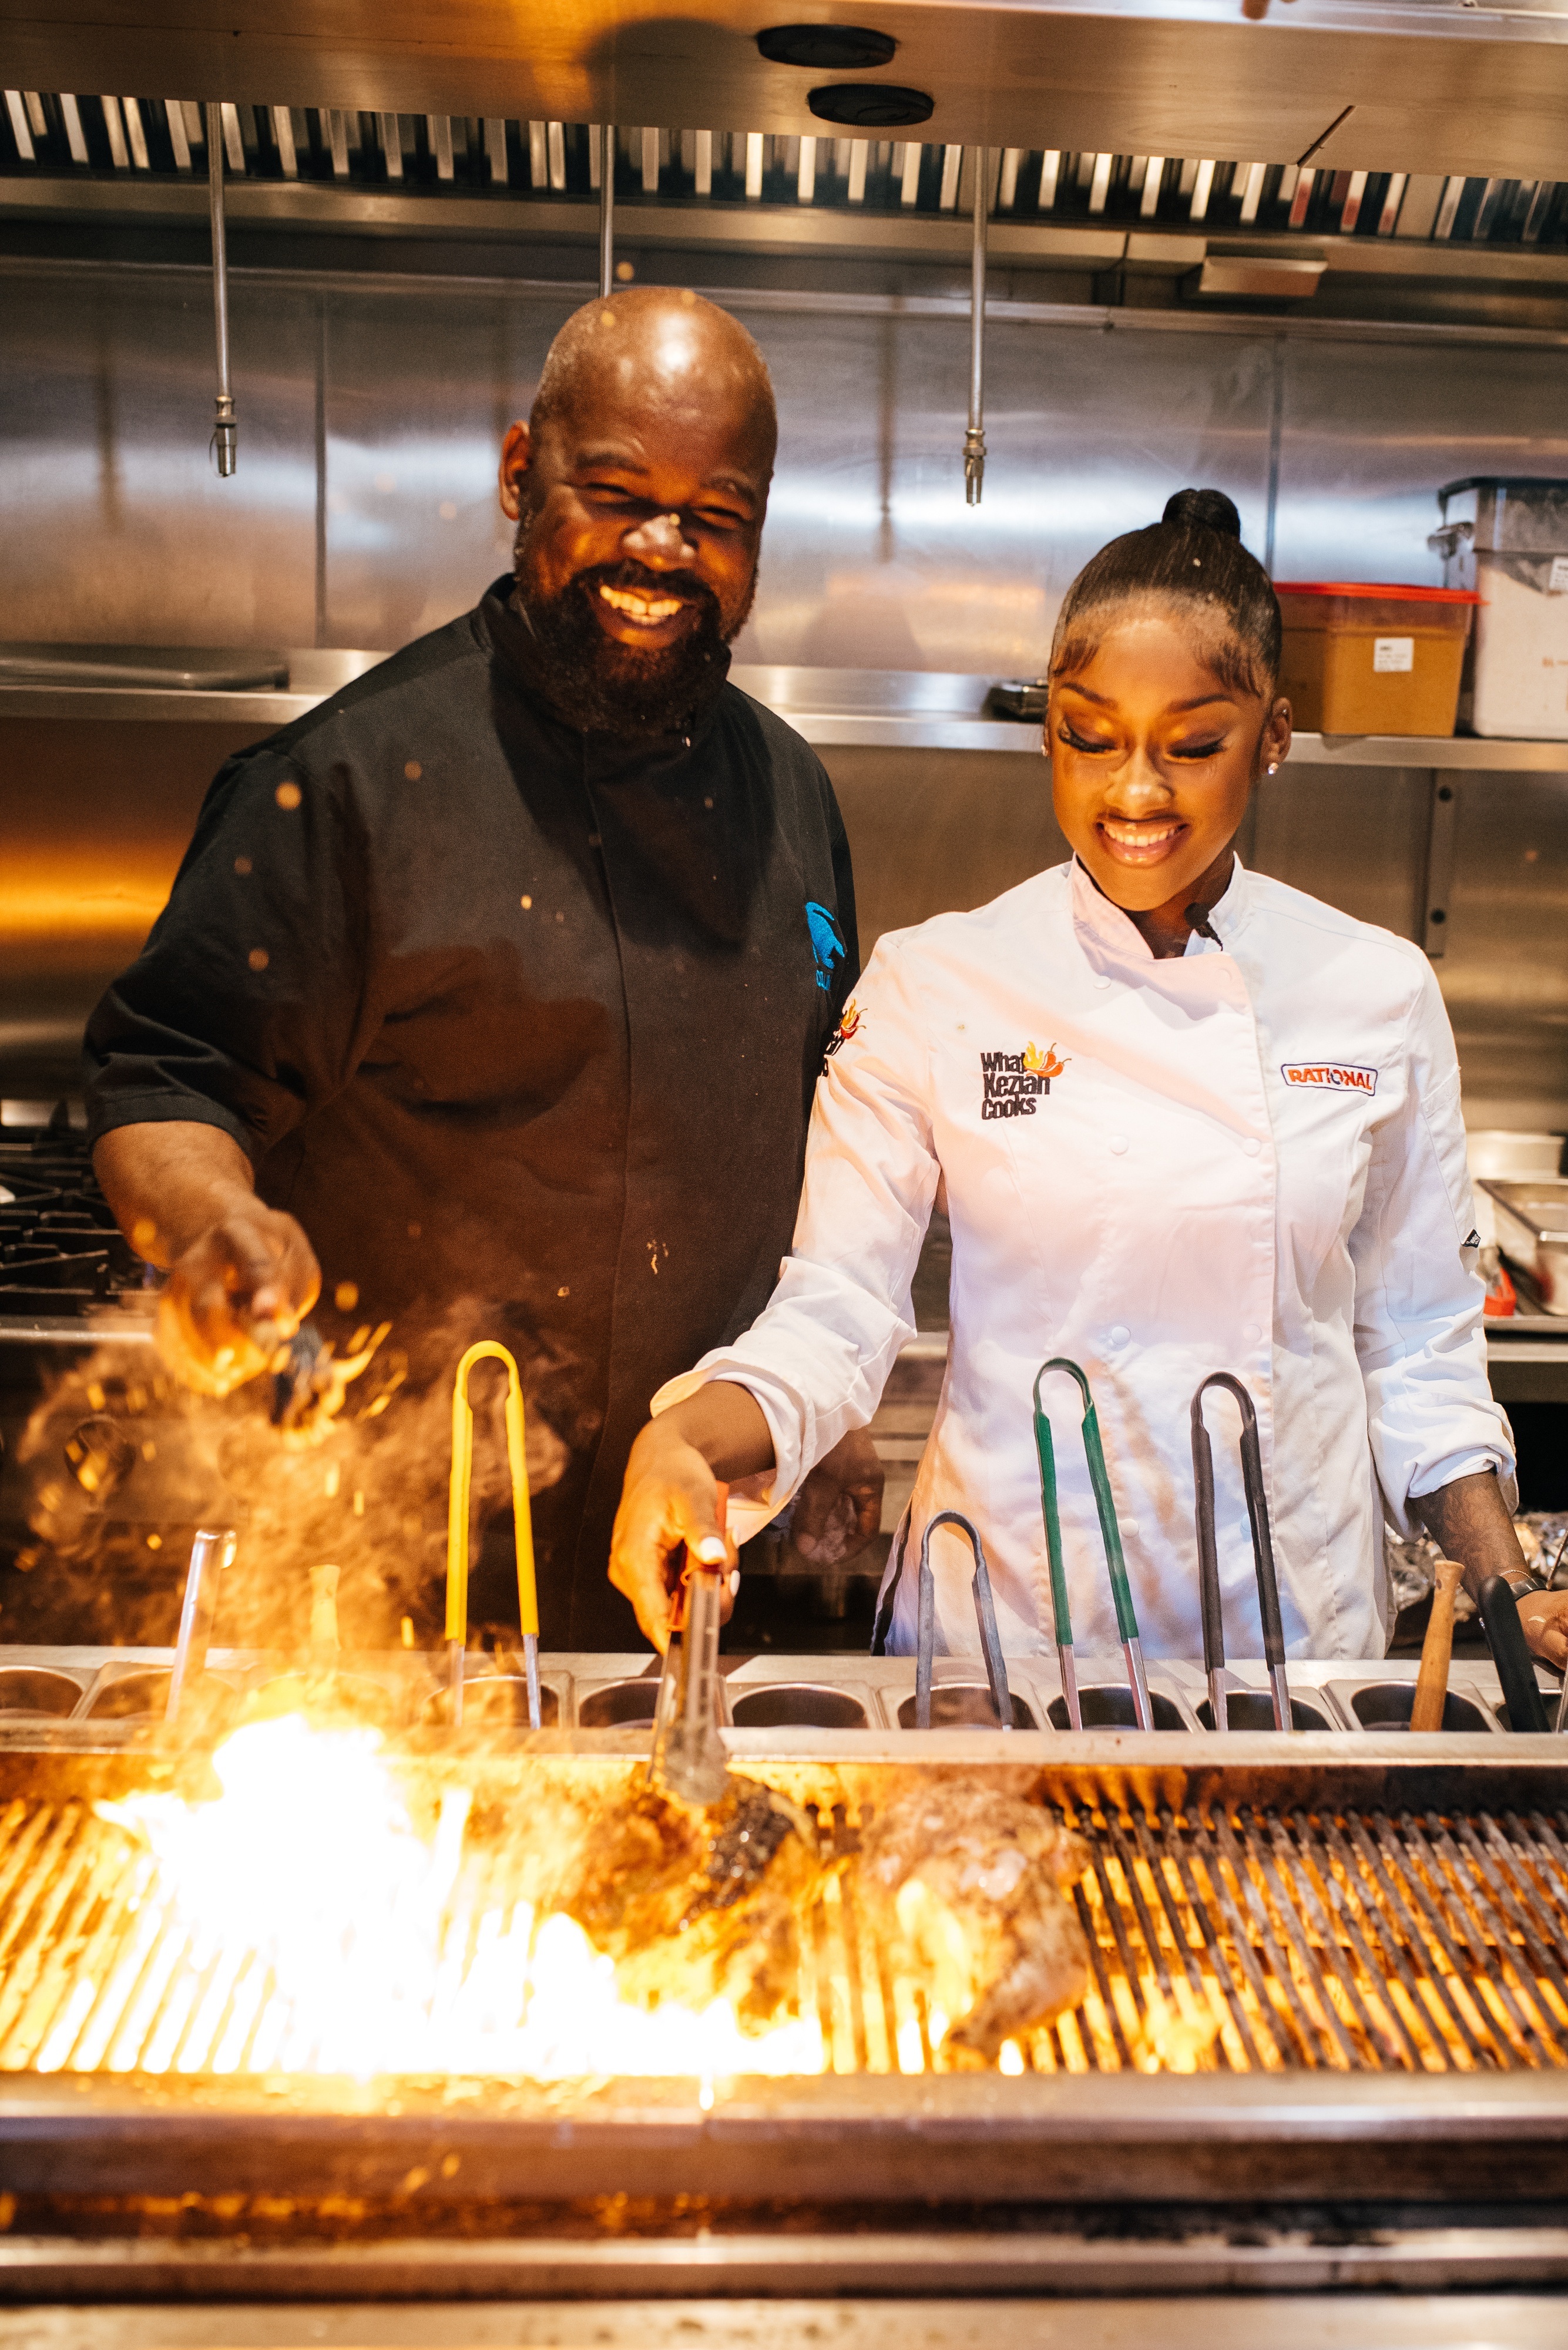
595,682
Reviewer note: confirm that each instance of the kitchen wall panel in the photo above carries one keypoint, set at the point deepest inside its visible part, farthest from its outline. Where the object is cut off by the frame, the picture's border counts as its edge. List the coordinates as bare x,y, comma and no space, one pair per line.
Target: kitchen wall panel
1370,430
114,525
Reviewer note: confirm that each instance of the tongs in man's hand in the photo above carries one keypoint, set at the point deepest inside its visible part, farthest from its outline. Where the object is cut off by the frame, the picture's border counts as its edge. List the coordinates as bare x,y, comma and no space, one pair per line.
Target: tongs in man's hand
309,1383
689,1759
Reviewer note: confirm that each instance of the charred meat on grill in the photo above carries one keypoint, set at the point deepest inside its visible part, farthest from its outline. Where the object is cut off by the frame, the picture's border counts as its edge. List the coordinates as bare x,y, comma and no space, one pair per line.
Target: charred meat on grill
696,1904
965,1883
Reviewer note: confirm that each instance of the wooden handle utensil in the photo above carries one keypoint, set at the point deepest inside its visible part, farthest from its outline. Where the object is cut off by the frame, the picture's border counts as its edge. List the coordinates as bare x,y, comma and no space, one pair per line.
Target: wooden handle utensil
1432,1681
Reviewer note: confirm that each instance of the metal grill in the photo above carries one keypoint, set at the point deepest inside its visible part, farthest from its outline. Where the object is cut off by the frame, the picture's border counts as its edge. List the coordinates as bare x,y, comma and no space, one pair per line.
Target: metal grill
1239,1939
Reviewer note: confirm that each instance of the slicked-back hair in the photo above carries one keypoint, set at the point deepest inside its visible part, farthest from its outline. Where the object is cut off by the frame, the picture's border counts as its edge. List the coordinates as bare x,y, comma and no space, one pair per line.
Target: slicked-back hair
1193,555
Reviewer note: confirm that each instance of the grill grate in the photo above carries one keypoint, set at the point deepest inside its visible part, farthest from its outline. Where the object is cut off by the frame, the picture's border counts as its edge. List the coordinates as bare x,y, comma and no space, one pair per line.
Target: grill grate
1241,1940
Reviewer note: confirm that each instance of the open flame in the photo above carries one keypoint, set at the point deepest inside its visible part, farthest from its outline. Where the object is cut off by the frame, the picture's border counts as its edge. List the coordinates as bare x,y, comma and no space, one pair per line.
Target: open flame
301,1923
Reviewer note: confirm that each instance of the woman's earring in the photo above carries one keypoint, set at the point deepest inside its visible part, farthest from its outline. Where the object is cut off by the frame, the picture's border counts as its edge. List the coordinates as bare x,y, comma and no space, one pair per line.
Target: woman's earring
1274,766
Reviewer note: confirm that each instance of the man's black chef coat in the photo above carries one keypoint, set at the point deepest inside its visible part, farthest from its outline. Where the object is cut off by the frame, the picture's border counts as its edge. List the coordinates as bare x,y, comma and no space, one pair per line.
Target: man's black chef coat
510,1016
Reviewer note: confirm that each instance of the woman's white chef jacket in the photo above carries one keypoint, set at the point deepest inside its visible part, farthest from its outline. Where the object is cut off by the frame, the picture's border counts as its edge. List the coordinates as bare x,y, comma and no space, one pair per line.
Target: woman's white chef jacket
1249,1158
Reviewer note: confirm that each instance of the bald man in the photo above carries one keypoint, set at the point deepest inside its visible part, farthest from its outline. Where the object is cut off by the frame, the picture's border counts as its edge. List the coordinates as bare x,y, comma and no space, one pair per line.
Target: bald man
491,996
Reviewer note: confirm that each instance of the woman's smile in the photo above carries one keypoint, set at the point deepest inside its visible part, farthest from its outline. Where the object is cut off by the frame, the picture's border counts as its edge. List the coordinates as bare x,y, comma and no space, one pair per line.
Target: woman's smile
1140,840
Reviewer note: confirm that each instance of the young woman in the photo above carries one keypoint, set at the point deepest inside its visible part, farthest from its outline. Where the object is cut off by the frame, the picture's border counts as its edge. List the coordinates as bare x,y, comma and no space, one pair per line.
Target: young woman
1183,1119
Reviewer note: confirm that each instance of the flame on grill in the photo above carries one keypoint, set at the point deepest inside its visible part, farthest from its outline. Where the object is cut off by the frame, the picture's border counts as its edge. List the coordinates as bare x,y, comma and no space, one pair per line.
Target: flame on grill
305,1923
301,1923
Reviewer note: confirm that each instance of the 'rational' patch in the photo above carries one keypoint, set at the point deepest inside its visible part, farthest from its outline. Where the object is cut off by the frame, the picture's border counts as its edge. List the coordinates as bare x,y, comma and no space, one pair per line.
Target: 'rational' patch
1337,1076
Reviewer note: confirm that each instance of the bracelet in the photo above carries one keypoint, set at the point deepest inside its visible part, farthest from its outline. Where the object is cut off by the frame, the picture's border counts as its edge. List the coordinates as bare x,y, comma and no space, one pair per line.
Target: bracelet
1527,1586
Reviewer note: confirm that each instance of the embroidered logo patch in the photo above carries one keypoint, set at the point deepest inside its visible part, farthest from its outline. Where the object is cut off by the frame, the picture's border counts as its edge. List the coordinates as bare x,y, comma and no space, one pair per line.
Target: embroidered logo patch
1337,1076
1011,1083
848,1023
827,944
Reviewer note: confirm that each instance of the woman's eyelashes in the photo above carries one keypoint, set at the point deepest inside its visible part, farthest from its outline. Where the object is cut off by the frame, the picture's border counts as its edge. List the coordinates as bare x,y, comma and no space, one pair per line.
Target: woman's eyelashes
1209,748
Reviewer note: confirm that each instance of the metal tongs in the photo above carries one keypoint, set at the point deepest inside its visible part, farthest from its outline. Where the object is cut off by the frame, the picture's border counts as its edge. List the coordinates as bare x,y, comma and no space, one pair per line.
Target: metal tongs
488,1351
309,1383
211,1554
1263,1555
687,1760
1110,1536
995,1664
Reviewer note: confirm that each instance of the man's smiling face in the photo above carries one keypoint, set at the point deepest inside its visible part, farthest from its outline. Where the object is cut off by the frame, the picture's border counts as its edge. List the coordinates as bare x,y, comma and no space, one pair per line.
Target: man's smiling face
639,489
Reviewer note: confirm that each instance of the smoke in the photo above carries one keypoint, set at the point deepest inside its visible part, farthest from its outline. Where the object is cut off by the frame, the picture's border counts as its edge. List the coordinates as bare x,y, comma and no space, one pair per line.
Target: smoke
119,1465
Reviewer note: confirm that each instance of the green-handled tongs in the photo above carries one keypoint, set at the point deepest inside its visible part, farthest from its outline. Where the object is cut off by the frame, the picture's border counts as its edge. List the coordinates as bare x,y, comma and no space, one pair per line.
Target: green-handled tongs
1110,1534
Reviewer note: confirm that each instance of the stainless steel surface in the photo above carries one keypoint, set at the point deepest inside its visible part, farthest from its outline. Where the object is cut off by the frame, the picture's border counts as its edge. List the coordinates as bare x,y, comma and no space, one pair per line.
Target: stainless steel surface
1413,85
607,209
1057,2262
1425,2316
1505,2312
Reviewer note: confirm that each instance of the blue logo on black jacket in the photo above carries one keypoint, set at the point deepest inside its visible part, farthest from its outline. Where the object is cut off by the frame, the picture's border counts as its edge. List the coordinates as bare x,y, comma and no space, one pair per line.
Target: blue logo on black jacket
826,945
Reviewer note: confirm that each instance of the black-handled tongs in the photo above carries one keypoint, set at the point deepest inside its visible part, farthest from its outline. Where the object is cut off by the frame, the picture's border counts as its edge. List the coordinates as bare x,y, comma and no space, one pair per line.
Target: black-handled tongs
1263,1555
1510,1654
990,1644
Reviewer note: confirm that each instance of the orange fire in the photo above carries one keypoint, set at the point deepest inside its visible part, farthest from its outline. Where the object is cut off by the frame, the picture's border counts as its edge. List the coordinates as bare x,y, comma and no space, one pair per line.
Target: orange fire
301,1923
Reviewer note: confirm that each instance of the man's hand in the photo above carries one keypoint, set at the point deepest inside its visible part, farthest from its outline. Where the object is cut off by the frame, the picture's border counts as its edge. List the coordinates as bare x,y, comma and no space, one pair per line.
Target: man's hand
839,1507
234,1295
242,1276
669,1503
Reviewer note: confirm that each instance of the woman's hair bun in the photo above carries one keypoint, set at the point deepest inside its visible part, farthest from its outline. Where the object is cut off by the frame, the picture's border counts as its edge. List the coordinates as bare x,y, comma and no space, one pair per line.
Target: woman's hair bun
1203,510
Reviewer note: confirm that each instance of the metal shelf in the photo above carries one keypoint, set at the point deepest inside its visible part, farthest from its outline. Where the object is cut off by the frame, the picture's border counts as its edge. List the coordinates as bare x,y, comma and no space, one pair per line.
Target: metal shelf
869,708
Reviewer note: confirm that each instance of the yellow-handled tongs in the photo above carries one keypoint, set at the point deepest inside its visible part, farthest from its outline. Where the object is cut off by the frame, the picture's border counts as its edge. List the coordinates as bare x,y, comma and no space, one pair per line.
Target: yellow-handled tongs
488,1351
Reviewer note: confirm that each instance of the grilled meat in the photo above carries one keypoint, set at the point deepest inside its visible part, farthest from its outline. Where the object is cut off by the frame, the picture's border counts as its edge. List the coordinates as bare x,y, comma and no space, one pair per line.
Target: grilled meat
697,1905
965,1883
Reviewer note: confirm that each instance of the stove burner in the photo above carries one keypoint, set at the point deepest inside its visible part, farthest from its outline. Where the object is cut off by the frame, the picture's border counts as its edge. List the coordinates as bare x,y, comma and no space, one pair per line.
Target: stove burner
61,1254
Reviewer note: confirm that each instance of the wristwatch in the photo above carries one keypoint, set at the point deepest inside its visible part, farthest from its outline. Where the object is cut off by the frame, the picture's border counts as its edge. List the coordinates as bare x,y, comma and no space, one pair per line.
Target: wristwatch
1524,1581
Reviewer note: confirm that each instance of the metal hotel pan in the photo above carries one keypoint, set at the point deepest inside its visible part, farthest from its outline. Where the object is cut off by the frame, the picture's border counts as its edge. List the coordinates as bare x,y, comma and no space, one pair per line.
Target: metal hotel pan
35,1692
1383,1705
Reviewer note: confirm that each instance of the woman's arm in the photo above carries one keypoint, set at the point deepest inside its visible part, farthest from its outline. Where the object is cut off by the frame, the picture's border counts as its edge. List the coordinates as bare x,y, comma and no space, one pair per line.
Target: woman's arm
794,1395
1469,1521
669,1496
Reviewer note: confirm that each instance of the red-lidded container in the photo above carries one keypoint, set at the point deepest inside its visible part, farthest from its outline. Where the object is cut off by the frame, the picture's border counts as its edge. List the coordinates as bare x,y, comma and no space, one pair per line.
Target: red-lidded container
1366,657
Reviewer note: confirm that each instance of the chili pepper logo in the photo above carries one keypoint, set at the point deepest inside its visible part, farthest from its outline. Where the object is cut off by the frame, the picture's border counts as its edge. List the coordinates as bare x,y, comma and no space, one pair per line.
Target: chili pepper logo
848,1023
1012,1084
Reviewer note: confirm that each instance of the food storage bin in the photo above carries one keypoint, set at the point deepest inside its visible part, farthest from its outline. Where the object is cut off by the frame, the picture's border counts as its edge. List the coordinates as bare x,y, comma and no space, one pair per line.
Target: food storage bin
1363,658
1508,536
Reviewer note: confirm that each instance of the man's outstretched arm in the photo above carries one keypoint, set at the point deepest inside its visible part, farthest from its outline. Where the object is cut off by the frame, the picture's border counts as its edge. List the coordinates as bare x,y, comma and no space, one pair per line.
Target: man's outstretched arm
185,1196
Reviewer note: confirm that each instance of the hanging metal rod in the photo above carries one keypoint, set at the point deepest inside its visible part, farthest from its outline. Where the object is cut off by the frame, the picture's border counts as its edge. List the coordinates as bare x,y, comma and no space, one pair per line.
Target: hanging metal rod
974,439
607,209
226,429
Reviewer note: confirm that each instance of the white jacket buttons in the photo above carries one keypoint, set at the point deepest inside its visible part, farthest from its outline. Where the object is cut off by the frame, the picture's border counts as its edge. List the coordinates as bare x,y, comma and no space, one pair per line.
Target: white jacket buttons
1251,1146
1119,1143
1120,1334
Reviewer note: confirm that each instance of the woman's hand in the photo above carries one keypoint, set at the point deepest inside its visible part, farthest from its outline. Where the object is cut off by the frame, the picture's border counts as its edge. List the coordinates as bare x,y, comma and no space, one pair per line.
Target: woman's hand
1544,1618
669,1503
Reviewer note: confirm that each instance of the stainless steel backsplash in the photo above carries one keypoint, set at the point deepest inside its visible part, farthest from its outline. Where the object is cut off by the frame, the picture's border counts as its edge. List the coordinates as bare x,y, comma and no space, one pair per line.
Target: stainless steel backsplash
363,512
